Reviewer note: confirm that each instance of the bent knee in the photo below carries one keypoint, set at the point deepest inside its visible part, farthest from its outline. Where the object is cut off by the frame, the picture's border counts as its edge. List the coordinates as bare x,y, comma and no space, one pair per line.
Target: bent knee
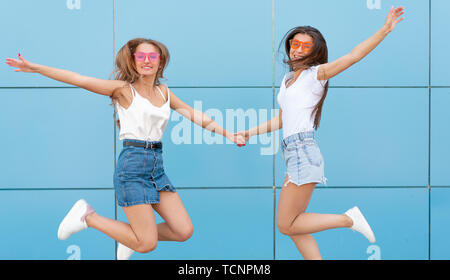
284,228
185,233
146,246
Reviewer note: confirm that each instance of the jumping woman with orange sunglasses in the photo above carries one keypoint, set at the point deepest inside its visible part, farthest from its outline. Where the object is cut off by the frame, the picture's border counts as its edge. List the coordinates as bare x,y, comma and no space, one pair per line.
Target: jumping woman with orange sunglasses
301,97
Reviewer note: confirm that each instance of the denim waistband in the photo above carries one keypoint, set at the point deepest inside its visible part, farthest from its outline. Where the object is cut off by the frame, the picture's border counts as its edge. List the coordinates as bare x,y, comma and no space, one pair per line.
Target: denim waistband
298,136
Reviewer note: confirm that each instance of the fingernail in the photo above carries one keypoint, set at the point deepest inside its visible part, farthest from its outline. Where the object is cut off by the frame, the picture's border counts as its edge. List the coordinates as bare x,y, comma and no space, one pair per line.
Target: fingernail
19,54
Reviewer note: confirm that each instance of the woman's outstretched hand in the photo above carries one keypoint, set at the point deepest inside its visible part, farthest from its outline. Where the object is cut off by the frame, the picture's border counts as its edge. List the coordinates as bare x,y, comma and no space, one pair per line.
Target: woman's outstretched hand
21,64
393,18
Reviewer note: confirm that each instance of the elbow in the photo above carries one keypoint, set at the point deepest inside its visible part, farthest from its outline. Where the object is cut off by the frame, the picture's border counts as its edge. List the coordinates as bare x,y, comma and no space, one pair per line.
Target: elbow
355,57
81,81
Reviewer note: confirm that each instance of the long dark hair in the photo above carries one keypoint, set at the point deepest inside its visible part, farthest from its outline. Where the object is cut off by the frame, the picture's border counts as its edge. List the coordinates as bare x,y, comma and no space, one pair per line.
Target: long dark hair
319,55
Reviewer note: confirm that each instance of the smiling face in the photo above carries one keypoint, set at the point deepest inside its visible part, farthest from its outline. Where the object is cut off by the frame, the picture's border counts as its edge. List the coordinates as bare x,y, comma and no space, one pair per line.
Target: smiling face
150,63
301,46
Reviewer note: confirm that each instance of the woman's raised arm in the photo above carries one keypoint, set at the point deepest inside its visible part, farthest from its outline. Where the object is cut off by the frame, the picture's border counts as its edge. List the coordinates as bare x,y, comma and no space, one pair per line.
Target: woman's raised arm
331,69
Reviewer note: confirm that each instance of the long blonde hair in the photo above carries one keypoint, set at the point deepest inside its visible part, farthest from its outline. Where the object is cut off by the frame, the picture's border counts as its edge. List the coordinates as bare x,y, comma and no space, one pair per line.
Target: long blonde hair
125,68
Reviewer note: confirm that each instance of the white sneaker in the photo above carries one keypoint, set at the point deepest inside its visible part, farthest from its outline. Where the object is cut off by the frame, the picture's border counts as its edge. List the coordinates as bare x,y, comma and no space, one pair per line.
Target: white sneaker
73,222
360,224
123,252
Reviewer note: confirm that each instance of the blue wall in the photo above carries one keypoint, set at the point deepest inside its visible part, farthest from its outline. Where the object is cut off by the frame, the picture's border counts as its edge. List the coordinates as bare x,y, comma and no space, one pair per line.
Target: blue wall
383,134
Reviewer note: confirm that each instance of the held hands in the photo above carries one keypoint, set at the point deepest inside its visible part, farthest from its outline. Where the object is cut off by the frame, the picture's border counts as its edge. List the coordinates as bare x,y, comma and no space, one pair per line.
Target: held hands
21,64
244,136
238,139
393,18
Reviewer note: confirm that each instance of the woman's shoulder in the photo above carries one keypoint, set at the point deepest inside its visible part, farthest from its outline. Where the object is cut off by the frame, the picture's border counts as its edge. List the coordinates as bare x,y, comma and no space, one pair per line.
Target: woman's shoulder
316,72
123,90
165,90
163,87
314,68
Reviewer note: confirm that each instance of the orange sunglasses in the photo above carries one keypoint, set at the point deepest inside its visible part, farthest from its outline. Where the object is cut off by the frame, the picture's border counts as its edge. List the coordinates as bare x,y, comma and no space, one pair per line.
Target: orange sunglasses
295,44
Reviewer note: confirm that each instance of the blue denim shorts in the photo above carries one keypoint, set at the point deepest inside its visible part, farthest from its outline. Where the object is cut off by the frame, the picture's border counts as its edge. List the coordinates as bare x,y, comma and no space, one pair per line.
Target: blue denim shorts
304,161
139,175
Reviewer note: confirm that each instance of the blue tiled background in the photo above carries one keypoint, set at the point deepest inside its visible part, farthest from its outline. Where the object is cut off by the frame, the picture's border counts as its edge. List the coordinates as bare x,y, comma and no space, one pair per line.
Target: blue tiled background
383,134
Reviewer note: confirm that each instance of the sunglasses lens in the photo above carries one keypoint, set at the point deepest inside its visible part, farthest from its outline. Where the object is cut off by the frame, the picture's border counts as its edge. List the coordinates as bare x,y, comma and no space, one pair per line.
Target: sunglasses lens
139,56
295,44
154,56
306,46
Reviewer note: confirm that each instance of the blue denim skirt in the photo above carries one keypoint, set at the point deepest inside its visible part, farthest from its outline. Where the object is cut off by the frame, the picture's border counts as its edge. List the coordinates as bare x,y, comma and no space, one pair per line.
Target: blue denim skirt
303,159
139,175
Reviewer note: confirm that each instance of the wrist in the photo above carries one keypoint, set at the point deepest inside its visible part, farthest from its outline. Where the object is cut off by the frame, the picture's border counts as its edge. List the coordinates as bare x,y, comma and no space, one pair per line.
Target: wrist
385,30
228,134
251,132
36,68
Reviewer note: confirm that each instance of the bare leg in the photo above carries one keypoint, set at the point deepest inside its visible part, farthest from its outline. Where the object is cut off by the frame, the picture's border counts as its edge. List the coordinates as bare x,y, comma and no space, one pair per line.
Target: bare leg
177,225
140,235
294,222
307,246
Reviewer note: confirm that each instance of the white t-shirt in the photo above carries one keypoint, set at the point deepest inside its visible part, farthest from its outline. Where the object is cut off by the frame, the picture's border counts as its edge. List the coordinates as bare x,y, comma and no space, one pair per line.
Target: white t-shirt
142,120
298,101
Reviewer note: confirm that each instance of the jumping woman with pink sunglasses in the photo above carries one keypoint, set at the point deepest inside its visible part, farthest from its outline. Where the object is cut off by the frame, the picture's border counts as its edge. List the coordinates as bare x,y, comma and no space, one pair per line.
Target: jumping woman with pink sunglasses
143,105
301,97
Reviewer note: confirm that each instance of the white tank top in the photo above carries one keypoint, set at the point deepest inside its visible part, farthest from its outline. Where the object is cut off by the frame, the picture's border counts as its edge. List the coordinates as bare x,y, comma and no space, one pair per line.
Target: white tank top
142,120
298,101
